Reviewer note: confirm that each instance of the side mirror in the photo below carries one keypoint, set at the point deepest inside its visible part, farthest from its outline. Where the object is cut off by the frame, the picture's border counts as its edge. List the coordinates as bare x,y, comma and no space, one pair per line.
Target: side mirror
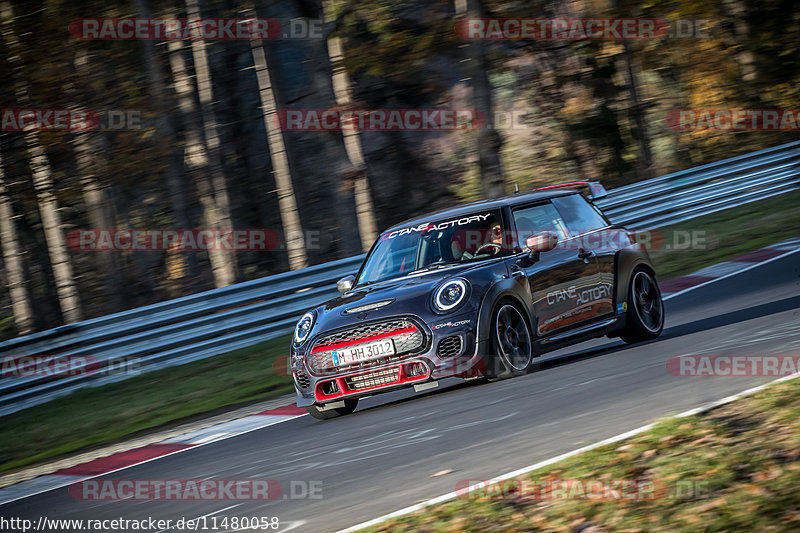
543,242
345,284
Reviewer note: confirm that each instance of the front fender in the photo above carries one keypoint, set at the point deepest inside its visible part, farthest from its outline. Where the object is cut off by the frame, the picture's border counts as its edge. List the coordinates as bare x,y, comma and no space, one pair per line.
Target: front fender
516,288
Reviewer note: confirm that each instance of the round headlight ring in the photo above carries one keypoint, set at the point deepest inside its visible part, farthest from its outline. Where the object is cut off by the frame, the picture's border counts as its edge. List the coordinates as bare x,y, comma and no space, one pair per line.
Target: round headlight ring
450,294
303,327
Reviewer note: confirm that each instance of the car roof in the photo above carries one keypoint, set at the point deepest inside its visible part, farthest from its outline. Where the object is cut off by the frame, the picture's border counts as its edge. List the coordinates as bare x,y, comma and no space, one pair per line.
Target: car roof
466,209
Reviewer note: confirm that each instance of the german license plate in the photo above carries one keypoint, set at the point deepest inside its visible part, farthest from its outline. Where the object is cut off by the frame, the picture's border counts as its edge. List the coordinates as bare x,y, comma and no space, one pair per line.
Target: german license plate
363,352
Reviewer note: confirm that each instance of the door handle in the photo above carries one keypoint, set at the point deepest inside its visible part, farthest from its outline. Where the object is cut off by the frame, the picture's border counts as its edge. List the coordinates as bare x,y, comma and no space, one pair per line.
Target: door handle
585,254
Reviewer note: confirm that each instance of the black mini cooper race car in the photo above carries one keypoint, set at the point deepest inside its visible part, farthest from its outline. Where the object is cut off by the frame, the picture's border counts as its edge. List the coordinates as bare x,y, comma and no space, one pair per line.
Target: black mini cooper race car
478,290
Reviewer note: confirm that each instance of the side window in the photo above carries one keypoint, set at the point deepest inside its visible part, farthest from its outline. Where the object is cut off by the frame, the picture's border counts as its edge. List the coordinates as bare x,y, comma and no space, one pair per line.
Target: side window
579,214
537,219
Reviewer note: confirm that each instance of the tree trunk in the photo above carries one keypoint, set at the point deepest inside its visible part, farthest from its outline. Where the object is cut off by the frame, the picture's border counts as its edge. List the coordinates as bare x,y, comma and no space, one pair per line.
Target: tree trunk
20,303
197,161
51,223
89,155
637,111
365,211
165,129
287,203
212,143
489,140
66,289
301,74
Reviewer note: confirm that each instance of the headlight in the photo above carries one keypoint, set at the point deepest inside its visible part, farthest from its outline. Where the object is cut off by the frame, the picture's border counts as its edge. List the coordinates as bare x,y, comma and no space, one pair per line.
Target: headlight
450,294
303,328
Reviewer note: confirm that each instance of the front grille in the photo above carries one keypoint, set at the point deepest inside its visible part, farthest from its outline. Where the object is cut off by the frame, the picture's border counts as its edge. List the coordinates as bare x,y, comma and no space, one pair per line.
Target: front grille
372,379
407,337
364,330
449,346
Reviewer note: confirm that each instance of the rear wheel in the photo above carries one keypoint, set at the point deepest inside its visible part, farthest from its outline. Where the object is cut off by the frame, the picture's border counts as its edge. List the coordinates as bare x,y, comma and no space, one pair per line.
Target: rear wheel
325,414
512,343
646,309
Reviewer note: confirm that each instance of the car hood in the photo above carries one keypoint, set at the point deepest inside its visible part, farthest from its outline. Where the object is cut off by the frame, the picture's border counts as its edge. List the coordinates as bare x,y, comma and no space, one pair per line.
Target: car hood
407,295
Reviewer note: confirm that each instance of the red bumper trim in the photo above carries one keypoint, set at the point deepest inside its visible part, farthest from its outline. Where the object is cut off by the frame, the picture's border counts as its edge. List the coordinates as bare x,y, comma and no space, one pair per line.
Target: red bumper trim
402,378
391,333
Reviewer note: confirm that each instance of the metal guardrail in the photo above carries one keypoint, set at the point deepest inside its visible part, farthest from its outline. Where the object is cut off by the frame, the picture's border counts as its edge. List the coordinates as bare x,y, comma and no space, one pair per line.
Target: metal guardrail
173,332
202,325
706,189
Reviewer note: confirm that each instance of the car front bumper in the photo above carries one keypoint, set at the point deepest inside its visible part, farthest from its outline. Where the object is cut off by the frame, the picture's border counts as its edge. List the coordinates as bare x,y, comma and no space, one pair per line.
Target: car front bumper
448,350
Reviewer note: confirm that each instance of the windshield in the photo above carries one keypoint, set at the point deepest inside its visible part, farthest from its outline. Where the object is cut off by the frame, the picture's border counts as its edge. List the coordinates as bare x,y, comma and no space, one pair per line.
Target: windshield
435,244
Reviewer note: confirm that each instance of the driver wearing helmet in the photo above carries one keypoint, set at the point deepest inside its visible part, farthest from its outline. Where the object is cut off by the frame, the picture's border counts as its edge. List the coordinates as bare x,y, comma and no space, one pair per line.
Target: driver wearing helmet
464,250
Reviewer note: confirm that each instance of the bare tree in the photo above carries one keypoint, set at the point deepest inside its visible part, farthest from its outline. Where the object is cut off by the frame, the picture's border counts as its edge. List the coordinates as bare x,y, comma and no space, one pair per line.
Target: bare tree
9,239
215,170
197,160
636,111
365,211
66,289
166,129
90,148
489,140
287,203
323,176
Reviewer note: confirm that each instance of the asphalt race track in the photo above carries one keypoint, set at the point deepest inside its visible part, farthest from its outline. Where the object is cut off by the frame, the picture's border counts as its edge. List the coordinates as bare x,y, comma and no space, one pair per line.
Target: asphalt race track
383,457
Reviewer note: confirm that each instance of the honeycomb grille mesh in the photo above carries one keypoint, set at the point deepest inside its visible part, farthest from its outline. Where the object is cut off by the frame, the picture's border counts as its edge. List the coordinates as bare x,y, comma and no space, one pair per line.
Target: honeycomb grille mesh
373,379
407,342
365,330
449,346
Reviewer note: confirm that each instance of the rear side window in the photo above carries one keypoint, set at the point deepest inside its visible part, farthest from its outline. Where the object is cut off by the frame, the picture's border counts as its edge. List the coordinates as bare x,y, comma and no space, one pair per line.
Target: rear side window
578,214
537,219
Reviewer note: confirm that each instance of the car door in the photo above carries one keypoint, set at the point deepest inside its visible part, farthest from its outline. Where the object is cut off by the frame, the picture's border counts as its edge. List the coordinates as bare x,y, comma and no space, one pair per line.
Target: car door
560,278
590,232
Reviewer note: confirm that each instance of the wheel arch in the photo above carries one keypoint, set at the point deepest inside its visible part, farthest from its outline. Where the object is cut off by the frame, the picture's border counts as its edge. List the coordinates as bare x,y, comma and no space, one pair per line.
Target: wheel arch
627,261
515,289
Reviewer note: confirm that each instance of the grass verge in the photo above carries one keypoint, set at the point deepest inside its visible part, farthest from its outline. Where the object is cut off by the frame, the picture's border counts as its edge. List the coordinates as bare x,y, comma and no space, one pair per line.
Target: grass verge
736,468
726,234
105,414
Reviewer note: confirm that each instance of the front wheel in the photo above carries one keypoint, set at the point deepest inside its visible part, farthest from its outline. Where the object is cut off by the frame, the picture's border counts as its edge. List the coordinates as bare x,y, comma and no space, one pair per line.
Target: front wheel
325,414
646,309
512,344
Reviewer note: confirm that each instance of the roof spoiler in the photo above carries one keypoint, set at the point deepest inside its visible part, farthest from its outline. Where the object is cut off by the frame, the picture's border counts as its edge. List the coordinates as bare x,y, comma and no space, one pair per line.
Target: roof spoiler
596,189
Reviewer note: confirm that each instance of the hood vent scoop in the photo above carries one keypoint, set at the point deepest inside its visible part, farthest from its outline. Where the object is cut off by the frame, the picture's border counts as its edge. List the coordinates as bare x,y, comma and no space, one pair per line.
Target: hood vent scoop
368,307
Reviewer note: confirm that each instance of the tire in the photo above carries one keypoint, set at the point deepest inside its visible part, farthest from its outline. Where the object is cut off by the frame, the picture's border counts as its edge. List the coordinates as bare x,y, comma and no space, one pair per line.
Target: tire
512,343
645,308
319,414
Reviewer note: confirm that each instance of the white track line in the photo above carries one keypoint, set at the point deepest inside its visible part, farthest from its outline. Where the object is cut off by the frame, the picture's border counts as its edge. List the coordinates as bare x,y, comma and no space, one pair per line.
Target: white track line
726,276
291,417
68,480
541,464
